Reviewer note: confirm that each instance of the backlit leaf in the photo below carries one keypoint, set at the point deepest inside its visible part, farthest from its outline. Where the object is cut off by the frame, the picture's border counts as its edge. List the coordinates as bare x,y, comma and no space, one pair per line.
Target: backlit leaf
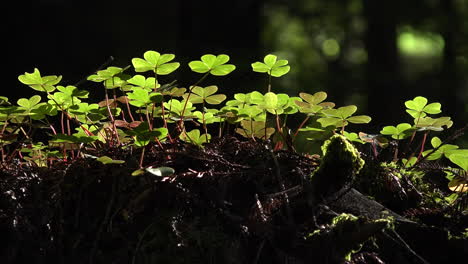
107,160
154,61
38,83
270,60
251,129
417,103
272,66
213,64
433,108
161,171
398,132
460,158
361,119
458,184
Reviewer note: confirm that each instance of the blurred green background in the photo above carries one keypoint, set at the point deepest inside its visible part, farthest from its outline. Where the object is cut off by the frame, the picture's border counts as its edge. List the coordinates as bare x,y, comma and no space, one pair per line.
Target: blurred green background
374,54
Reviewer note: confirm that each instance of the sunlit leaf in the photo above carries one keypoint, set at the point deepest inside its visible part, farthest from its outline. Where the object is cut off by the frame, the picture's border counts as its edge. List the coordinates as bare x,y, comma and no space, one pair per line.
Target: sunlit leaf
251,129
272,66
195,137
213,64
331,121
141,81
417,103
374,139
460,158
38,83
458,184
361,119
161,171
154,61
107,160
138,172
398,132
433,108
353,137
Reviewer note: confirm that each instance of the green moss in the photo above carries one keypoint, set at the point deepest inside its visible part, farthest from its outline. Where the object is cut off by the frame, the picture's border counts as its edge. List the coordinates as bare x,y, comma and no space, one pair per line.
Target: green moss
346,235
343,217
339,148
339,165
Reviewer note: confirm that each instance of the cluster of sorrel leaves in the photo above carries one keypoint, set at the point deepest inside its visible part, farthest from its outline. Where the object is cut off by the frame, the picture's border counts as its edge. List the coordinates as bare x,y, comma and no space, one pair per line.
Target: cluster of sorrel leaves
137,110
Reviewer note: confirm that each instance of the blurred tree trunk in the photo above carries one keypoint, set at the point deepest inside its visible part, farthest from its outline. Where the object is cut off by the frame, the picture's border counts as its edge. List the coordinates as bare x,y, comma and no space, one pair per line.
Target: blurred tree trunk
449,92
382,71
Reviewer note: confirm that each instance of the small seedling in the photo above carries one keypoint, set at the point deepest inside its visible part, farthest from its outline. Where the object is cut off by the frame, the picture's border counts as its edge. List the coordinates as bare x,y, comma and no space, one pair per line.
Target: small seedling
154,61
272,66
215,65
194,137
342,116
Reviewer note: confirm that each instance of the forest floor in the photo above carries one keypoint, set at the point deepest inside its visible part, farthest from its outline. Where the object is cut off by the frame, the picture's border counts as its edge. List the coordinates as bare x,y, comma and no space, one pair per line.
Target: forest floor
233,201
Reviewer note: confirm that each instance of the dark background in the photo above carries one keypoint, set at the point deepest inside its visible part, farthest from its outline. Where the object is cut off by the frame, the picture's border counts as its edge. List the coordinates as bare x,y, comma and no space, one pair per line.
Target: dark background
375,54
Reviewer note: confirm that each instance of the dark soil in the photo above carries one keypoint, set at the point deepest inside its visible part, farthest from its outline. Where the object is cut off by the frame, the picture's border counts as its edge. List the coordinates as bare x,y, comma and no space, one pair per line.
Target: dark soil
234,201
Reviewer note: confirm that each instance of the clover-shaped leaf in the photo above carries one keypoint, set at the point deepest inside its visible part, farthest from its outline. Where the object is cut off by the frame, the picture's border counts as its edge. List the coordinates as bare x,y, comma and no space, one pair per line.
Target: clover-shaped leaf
106,74
143,135
86,113
340,117
4,100
141,97
145,83
271,66
434,124
274,103
206,94
353,137
177,107
71,91
442,150
206,118
174,92
312,104
66,96
86,130
29,104
242,99
194,137
42,110
34,109
252,113
39,83
118,82
156,62
459,157
77,139
215,65
251,129
418,107
375,139
401,131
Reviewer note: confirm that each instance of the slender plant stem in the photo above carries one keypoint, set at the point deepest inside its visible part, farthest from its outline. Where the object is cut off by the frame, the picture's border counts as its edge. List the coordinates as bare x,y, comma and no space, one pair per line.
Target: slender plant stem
422,144
111,116
188,97
142,156
300,126
269,81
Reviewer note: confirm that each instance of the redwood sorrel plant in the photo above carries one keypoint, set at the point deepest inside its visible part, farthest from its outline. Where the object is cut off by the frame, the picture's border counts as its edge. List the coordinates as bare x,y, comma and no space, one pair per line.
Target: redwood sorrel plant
137,110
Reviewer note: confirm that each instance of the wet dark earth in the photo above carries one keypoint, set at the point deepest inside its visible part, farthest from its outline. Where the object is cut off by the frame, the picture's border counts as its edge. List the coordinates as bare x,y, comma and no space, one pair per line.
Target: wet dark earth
233,201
